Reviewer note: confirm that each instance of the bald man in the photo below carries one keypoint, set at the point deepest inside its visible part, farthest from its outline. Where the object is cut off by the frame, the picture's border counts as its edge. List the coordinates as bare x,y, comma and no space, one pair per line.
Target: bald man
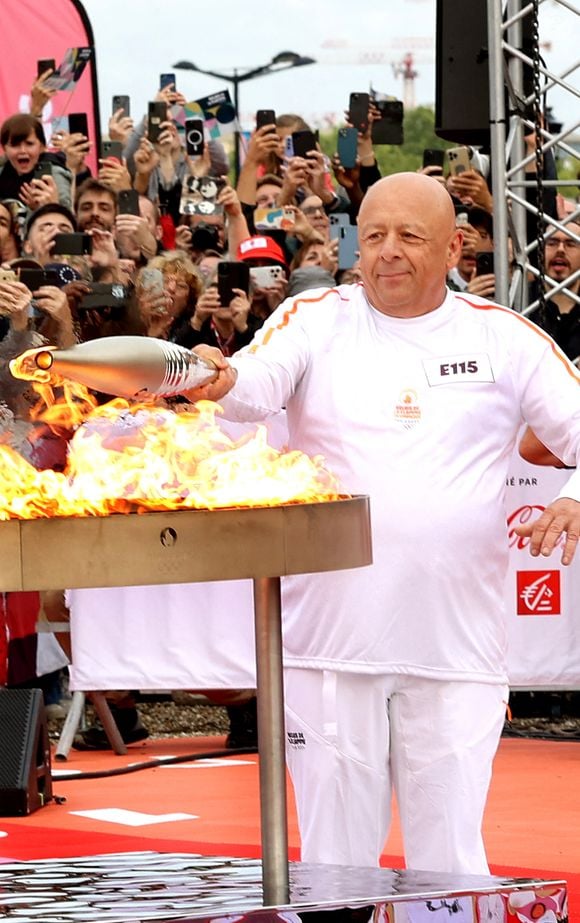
395,674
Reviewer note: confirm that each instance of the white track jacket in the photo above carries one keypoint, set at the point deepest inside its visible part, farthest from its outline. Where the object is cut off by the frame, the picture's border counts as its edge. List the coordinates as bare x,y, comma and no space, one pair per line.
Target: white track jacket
422,415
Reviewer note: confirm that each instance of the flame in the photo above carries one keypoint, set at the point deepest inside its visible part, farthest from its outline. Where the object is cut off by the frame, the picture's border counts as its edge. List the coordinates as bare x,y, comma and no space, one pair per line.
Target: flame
126,457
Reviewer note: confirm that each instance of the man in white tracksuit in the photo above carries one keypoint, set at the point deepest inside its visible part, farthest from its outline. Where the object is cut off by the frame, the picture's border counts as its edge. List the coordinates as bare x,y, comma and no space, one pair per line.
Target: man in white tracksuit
395,674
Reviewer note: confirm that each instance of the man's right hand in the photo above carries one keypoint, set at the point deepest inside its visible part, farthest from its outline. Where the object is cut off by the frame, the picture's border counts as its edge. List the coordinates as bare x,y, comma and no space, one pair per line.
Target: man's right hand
219,387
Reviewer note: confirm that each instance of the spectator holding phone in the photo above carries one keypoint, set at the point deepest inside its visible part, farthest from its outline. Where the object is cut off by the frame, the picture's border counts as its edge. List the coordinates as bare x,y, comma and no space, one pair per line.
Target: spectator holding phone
138,236
312,207
24,144
114,236
168,288
476,225
42,227
229,327
258,251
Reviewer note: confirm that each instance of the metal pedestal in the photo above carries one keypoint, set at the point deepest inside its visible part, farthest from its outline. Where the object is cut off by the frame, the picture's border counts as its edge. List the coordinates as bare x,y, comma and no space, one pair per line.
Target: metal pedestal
186,546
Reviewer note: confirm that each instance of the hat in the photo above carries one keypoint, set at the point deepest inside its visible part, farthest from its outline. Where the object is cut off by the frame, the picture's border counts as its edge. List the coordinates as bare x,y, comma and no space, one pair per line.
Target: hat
308,277
261,248
479,217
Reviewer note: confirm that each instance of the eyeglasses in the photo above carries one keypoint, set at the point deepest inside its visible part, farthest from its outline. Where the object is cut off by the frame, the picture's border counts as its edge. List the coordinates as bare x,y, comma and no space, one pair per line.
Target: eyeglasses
554,242
311,210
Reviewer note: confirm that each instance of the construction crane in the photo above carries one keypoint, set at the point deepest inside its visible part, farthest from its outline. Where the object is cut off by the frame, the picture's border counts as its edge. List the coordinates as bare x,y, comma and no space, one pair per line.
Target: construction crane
406,69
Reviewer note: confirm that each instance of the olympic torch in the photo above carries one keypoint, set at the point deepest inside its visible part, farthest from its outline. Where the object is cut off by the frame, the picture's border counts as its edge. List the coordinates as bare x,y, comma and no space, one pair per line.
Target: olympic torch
126,366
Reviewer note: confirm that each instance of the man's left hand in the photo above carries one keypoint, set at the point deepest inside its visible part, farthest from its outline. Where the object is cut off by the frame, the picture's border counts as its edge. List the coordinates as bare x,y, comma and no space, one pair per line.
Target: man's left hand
559,518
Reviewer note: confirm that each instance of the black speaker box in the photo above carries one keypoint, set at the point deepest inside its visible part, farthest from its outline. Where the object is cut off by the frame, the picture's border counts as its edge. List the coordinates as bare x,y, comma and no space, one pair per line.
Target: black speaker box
25,779
462,70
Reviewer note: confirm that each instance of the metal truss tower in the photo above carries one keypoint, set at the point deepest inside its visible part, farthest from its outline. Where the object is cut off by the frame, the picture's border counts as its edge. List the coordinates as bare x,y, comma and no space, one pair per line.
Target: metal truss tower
514,115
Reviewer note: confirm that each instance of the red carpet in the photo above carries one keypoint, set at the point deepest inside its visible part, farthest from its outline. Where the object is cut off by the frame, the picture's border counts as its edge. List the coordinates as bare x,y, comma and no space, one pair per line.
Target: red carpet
531,822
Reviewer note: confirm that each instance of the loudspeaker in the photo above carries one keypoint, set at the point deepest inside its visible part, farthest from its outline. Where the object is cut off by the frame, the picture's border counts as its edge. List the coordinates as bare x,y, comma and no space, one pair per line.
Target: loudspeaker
462,70
25,779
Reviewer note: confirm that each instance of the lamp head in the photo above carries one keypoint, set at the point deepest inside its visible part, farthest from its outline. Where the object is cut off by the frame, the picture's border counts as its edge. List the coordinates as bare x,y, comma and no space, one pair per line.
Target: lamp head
290,59
185,66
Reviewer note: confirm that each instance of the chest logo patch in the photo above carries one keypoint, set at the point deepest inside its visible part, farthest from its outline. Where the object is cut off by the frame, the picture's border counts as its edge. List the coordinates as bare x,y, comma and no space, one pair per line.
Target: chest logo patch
407,410
464,367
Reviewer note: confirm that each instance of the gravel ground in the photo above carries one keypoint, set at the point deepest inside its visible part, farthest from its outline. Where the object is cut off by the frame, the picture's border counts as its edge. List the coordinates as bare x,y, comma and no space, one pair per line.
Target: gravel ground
165,718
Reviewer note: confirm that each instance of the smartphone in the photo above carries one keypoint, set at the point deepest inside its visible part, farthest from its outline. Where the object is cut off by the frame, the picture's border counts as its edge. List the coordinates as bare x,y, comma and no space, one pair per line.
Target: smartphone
104,295
269,219
433,157
34,278
73,244
8,275
484,263
112,150
128,202
458,160
167,80
232,274
288,147
389,128
156,113
358,110
78,123
194,137
265,117
303,142
121,102
42,168
346,146
347,235
338,218
151,281
265,276
43,65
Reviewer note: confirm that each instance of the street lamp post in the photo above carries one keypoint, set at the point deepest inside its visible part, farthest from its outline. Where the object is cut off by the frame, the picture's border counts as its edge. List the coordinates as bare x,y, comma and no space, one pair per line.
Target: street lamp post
282,61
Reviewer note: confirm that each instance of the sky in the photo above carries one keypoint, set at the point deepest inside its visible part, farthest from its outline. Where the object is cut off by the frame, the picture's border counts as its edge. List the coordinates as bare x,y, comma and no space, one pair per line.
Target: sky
136,40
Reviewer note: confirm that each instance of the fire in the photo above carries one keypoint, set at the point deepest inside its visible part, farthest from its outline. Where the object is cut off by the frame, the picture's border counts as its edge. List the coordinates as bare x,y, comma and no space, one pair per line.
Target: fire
126,457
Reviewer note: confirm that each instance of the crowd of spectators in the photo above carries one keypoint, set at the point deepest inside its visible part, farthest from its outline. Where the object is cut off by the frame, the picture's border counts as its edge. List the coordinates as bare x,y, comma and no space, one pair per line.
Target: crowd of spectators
160,223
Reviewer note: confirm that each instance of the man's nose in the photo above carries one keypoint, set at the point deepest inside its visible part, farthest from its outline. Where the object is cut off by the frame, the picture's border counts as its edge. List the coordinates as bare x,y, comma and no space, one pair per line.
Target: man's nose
390,247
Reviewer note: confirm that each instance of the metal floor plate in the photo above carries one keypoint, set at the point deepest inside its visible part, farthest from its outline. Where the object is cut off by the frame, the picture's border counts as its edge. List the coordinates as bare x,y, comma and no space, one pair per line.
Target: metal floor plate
144,886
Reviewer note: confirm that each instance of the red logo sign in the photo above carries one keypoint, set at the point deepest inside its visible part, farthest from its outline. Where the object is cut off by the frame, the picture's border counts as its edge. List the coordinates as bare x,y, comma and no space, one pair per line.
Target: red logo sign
538,592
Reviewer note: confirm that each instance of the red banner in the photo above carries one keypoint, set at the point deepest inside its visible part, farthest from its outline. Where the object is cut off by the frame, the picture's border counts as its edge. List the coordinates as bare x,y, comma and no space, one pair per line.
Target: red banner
31,31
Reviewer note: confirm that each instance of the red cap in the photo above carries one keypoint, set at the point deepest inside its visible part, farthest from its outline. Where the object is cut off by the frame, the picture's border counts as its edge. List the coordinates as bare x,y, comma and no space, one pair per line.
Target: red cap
261,248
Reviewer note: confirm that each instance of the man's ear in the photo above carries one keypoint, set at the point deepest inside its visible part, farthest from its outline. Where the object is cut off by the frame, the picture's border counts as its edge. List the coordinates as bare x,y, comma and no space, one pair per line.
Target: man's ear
27,248
454,249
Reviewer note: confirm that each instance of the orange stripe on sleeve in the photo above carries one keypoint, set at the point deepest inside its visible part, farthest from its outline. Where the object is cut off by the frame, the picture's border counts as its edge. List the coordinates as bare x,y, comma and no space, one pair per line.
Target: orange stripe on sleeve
530,325
287,316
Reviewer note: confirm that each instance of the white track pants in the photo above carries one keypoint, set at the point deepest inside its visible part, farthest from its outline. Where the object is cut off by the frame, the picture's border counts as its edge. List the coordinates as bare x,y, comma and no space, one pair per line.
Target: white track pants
351,738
